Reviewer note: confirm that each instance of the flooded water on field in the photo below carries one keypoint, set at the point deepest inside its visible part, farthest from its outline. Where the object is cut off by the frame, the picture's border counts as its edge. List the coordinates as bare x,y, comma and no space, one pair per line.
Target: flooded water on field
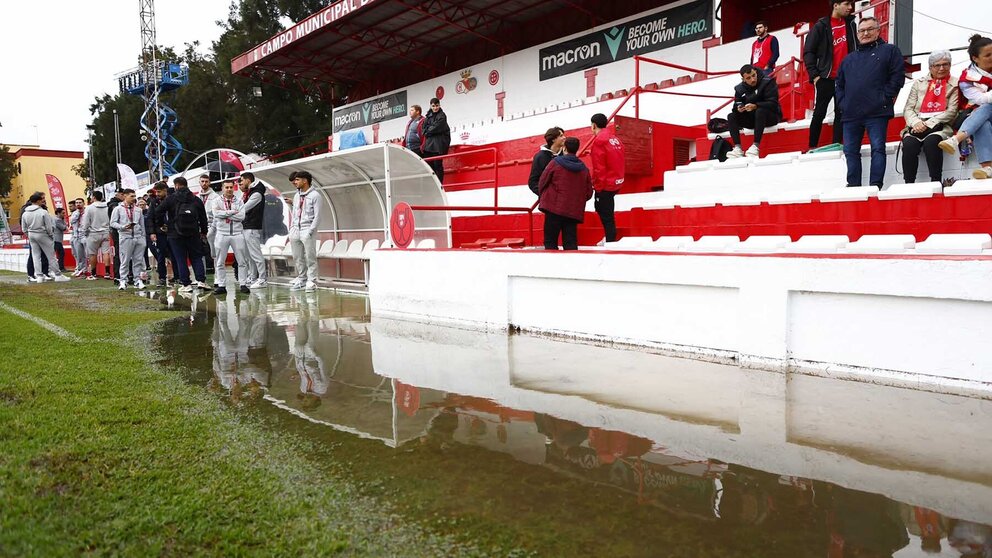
572,448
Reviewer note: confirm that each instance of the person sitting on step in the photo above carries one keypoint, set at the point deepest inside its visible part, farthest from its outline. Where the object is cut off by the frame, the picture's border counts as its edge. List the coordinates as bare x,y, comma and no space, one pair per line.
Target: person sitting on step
756,106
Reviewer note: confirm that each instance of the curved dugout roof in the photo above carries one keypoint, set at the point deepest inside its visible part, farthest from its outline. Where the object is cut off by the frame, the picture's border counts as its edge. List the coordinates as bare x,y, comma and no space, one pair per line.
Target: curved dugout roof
361,186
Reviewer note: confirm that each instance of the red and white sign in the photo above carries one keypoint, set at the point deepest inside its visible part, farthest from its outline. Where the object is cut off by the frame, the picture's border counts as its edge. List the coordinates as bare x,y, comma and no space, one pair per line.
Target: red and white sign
493,77
56,191
402,225
407,398
313,23
439,92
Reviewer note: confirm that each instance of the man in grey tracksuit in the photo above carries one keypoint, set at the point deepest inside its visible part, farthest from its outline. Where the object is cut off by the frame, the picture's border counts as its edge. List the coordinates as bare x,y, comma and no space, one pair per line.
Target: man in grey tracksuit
304,220
228,216
96,227
207,196
76,237
254,208
129,223
40,227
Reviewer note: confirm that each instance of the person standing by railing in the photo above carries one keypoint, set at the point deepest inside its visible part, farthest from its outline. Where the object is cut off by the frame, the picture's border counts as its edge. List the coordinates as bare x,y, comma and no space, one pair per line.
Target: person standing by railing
867,85
829,41
607,172
764,51
554,139
437,137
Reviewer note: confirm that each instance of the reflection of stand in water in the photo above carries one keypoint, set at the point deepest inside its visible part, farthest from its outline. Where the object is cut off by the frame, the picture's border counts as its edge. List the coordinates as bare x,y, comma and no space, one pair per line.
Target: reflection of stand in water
309,365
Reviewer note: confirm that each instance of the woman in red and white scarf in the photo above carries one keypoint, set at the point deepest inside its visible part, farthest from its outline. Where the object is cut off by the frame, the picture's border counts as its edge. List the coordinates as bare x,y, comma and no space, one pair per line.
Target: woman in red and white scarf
976,91
931,107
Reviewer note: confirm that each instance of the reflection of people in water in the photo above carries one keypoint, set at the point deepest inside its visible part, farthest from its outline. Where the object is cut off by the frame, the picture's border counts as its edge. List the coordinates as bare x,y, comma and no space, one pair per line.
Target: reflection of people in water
864,525
309,365
254,369
225,349
972,540
927,524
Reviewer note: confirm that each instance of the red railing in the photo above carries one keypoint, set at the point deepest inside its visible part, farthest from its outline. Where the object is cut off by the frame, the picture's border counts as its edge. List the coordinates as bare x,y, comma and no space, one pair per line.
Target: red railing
495,179
528,210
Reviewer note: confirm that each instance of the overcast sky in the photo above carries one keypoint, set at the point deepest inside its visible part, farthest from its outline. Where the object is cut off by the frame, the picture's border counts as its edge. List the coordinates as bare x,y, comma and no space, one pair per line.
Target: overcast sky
60,54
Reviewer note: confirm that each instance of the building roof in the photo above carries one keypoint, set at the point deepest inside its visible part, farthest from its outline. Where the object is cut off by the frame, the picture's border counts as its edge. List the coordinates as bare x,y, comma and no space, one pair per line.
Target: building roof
354,49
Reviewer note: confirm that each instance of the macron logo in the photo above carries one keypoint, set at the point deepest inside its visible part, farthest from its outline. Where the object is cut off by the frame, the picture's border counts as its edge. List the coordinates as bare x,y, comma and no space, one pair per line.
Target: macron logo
613,37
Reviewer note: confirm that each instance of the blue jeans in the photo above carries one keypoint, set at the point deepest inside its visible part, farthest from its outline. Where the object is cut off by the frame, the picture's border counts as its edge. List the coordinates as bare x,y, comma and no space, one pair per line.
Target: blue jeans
188,248
854,132
978,126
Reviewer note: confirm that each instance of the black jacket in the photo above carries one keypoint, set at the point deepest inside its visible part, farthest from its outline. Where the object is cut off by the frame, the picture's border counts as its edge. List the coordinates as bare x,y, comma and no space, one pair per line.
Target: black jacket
537,166
255,217
170,206
764,94
437,134
869,81
818,52
156,223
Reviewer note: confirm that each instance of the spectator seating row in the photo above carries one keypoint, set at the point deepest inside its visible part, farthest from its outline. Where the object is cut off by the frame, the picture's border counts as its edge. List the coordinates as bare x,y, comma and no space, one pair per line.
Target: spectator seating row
904,244
277,249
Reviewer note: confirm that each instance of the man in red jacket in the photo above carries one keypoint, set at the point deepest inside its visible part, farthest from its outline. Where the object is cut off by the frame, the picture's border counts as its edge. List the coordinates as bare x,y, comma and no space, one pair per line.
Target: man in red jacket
607,172
564,188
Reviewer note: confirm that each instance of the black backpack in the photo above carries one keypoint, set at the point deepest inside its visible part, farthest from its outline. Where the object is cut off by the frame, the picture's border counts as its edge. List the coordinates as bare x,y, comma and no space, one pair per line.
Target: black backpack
720,148
187,223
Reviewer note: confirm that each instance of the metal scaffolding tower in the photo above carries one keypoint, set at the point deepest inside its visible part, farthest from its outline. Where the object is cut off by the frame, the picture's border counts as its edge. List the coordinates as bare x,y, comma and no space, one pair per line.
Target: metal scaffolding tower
149,81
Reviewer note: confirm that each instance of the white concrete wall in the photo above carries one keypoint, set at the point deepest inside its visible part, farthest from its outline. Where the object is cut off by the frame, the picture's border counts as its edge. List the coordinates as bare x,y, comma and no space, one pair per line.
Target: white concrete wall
876,318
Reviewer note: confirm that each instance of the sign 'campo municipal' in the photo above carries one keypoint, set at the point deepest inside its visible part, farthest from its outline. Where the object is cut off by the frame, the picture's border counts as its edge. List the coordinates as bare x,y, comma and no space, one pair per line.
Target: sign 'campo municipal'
689,22
372,111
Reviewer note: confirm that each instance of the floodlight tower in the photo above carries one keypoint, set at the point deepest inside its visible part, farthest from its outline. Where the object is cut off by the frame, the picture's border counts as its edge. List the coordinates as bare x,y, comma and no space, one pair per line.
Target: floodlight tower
149,81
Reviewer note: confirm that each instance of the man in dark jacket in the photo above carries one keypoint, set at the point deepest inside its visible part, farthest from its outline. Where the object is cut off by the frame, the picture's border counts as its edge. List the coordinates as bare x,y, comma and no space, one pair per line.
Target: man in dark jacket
867,85
157,229
829,41
554,138
437,137
564,188
187,229
756,106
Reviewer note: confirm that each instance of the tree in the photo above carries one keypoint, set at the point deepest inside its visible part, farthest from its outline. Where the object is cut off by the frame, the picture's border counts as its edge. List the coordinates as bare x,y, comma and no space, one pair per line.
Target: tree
8,170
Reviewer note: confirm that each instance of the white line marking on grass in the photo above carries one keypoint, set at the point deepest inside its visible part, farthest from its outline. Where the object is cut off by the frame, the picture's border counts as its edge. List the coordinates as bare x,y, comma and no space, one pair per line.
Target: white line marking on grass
43,323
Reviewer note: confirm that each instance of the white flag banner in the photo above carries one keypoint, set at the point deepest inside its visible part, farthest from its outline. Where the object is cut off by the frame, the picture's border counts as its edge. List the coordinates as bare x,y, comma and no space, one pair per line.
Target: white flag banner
128,179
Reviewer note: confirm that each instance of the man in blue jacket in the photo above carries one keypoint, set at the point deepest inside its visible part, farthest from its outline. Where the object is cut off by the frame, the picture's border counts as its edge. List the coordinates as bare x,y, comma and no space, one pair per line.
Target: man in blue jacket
867,84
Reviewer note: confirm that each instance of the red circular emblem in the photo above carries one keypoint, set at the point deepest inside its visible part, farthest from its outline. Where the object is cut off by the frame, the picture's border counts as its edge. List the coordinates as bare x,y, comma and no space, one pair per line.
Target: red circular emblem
493,77
401,225
439,92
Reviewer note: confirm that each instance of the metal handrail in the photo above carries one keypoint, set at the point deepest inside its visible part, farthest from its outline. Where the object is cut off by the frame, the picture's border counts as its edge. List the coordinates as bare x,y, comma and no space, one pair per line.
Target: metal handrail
495,179
496,209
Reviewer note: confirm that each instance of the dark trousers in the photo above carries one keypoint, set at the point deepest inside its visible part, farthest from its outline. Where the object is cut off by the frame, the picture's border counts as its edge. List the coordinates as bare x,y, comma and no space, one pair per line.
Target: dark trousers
436,165
115,236
44,262
188,248
911,147
757,120
555,225
824,94
604,208
60,255
853,133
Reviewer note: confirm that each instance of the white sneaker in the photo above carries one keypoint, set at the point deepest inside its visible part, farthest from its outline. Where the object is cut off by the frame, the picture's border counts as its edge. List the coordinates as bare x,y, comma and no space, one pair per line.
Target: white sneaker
33,279
186,288
259,284
949,146
752,151
982,173
122,286
297,284
77,273
202,285
46,278
139,284
61,278
735,153
311,287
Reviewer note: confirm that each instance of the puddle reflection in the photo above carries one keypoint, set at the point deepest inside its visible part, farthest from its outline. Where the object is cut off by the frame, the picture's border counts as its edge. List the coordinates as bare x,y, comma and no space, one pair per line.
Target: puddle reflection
819,467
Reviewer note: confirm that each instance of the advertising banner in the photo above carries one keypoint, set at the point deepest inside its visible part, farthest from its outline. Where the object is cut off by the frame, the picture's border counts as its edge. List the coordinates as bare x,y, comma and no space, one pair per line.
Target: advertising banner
682,24
56,191
370,112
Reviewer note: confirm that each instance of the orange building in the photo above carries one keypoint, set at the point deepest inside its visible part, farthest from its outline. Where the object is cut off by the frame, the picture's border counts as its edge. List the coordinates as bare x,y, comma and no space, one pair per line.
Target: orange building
33,163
